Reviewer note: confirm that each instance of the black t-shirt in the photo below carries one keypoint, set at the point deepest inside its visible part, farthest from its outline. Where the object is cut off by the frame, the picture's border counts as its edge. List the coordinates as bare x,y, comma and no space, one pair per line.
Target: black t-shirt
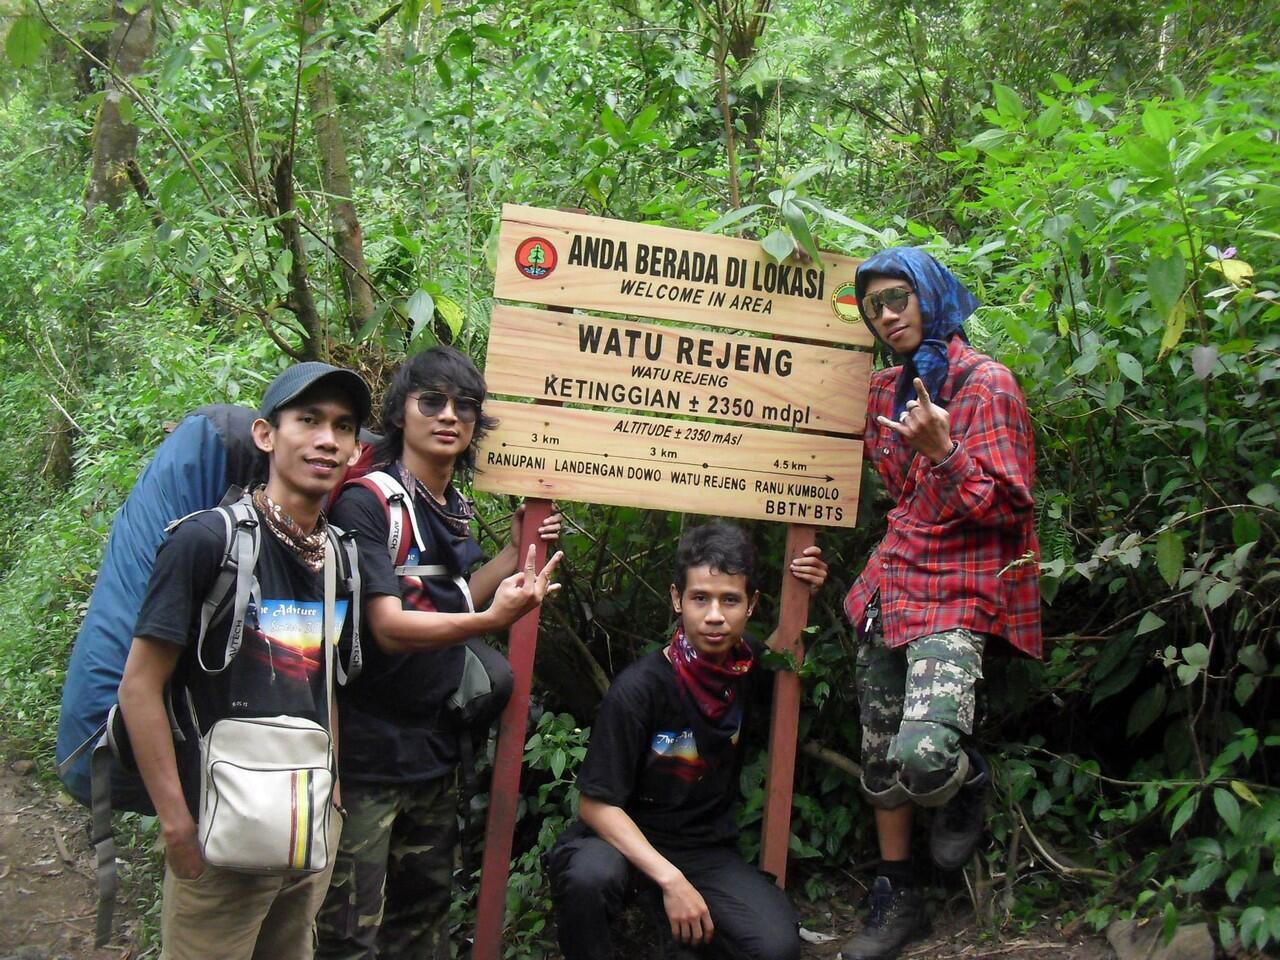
643,758
394,728
279,667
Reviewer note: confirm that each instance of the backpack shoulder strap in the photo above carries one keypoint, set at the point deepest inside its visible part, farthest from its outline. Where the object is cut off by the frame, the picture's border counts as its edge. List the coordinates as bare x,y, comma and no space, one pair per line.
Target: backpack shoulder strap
963,376
243,540
346,557
400,505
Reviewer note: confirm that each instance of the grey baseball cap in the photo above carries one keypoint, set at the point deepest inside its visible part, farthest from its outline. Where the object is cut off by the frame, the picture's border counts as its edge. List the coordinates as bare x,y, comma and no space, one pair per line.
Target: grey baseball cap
301,377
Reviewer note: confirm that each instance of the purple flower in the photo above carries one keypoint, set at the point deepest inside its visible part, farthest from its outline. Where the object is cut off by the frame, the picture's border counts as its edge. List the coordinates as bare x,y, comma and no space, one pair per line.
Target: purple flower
1227,254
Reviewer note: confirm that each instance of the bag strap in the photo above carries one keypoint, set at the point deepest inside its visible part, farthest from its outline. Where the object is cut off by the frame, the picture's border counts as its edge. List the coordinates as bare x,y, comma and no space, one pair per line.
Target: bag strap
399,505
395,496
108,751
243,539
329,626
342,544
102,837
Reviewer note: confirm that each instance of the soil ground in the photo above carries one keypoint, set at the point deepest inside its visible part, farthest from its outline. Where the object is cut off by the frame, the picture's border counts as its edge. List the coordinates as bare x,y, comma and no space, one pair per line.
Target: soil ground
48,890
48,896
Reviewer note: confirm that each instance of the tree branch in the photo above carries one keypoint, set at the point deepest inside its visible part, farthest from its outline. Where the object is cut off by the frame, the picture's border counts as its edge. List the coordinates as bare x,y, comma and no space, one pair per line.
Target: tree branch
140,187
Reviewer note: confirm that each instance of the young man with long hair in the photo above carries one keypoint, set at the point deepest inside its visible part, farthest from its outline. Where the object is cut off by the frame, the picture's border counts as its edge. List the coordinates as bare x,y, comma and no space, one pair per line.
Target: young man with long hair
400,750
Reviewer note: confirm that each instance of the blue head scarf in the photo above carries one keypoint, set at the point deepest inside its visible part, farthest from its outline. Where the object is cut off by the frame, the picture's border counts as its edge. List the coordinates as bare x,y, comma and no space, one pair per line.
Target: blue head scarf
944,302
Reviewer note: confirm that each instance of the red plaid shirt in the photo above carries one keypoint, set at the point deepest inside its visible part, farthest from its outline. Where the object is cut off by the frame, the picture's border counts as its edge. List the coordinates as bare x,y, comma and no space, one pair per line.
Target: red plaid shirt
961,549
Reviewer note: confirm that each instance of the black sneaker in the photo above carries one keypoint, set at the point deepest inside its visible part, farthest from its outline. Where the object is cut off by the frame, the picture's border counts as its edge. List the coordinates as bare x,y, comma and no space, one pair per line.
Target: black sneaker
958,825
896,918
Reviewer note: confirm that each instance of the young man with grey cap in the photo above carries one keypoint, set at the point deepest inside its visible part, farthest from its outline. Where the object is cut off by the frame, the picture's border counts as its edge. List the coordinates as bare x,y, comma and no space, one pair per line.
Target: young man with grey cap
307,427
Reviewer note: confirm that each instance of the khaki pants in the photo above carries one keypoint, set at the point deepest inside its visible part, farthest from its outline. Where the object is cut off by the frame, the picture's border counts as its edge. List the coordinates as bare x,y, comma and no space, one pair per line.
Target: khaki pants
243,916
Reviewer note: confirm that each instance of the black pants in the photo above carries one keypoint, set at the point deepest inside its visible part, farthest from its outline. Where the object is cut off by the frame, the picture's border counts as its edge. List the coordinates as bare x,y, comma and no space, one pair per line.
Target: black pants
590,881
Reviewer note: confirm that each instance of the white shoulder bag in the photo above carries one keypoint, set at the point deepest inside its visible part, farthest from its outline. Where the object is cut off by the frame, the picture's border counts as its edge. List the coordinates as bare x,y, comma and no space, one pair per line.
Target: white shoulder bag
266,785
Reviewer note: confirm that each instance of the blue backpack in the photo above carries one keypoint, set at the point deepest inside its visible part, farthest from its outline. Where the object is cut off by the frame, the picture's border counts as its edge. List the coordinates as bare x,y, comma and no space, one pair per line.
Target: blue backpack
207,460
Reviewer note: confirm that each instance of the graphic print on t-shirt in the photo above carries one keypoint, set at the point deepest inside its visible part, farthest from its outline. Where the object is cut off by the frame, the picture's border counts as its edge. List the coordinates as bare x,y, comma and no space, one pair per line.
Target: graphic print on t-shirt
289,634
676,754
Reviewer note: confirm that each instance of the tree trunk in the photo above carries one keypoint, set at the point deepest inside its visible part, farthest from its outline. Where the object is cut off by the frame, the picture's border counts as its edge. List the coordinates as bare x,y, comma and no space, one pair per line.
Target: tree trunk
335,176
115,142
315,343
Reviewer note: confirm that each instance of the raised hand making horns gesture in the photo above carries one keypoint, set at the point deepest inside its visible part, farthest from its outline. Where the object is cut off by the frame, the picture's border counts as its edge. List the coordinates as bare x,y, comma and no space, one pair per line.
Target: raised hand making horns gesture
924,425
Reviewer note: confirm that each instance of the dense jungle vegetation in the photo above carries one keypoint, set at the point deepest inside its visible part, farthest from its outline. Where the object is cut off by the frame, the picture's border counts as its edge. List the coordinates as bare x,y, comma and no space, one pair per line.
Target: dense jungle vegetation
191,195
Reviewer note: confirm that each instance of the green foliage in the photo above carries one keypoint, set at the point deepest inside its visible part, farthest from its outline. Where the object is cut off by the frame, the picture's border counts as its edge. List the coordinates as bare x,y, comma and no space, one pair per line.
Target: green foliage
1113,221
1102,174
552,756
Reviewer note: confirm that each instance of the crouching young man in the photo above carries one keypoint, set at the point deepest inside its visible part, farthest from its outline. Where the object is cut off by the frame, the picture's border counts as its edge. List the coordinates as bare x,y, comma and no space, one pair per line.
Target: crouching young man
308,423
661,775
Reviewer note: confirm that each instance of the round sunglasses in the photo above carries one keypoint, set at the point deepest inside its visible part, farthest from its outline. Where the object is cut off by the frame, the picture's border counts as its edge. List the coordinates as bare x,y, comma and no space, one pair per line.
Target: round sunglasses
431,403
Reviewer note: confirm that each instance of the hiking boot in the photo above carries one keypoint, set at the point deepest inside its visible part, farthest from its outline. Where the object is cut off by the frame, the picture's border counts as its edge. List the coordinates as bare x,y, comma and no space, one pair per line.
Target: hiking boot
896,918
958,825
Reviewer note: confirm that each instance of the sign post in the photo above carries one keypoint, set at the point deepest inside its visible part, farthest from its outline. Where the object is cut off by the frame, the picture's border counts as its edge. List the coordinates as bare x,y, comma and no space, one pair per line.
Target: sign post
504,794
784,726
719,423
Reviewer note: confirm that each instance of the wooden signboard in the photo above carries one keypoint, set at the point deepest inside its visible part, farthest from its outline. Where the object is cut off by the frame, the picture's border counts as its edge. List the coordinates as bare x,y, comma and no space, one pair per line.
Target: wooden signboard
742,426
597,457
592,263
578,358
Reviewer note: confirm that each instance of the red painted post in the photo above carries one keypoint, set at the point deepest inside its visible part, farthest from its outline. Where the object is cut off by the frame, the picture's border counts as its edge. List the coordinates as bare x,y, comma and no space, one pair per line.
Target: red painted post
785,726
504,792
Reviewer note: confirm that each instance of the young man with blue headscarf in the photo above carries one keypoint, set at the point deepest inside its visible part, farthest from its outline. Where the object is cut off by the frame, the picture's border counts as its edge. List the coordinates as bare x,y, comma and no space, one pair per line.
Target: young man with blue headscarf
956,573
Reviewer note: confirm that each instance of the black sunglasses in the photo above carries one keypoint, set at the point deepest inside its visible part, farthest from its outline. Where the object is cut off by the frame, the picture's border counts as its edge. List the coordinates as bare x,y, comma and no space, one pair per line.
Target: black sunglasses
895,298
467,409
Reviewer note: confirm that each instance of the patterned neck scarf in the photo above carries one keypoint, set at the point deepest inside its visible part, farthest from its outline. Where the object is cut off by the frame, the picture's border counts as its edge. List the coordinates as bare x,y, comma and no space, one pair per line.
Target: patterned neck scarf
459,524
945,303
712,687
308,546
709,692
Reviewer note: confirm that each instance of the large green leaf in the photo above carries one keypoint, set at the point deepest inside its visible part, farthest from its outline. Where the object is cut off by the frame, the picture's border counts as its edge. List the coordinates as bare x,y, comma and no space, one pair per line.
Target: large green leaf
452,314
1130,366
1166,281
1264,494
1169,556
644,120
1147,156
1148,623
1228,808
1209,152
420,309
808,173
1146,709
1049,122
1158,124
732,217
25,41
799,226
1184,813
1008,103
778,245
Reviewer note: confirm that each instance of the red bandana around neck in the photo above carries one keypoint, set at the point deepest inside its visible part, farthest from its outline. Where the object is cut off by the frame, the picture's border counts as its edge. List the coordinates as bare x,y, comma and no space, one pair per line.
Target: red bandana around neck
713,687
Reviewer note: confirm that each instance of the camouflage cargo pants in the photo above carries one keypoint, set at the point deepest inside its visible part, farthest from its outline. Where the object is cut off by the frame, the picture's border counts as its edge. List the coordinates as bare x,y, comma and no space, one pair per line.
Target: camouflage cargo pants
916,702
393,878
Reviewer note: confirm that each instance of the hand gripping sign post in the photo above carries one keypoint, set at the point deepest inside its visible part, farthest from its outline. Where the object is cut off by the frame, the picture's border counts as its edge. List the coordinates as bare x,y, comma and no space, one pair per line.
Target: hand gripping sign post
720,423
